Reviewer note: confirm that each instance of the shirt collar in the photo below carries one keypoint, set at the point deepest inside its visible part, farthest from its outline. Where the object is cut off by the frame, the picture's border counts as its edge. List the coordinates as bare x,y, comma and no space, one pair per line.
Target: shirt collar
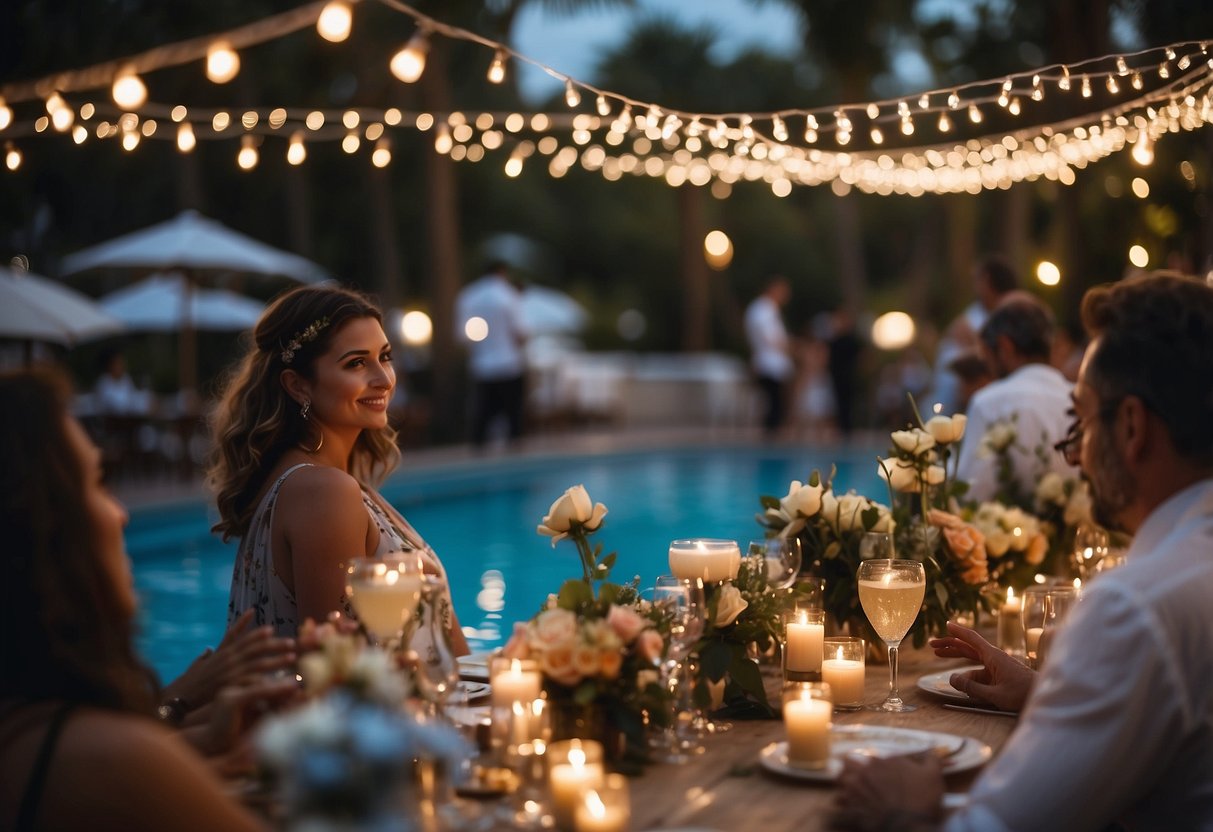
1196,499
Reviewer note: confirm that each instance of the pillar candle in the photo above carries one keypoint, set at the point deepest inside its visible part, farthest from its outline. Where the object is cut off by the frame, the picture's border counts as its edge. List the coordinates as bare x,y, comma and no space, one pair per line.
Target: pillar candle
515,685
808,726
1032,639
804,646
845,678
1010,623
569,781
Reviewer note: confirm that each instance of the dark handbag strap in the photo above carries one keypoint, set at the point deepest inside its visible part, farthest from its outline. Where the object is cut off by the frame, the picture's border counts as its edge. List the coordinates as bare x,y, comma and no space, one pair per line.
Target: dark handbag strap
37,779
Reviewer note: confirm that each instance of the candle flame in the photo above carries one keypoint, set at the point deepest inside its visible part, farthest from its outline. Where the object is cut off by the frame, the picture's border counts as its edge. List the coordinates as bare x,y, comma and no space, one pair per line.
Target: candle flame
1010,594
576,758
595,805
1078,583
839,657
802,617
515,666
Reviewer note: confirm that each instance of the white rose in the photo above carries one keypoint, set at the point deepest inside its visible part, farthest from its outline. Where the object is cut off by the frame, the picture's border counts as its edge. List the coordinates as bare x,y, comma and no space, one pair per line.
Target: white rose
935,474
553,628
999,437
730,605
997,543
850,509
947,429
1078,510
913,441
901,474
1051,489
802,500
574,506
884,520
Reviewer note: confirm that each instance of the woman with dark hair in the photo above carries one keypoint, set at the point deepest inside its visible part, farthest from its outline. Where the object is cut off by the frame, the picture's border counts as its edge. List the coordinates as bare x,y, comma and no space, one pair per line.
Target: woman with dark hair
302,439
79,747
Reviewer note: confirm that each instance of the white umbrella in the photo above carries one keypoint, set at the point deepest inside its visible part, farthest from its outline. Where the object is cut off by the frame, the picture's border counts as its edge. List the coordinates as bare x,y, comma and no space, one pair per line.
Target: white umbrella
158,304
192,241
34,308
548,311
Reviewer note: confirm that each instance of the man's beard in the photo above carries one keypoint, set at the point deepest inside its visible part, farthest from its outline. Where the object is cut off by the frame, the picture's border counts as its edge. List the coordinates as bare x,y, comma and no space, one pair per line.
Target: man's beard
1112,486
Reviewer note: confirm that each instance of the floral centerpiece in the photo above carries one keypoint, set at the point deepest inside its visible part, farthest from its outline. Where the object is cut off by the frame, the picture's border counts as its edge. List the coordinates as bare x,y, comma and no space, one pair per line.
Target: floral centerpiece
596,642
346,759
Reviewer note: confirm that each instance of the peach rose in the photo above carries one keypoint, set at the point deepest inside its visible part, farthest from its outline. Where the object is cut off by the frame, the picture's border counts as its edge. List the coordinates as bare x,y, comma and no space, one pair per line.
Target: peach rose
650,646
557,665
554,627
1037,549
626,623
609,663
518,646
586,659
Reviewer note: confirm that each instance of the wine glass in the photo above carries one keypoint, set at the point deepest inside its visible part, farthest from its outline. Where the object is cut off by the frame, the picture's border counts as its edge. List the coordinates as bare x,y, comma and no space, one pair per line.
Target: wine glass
437,674
876,546
1032,615
1059,600
1090,547
385,593
891,593
782,558
684,605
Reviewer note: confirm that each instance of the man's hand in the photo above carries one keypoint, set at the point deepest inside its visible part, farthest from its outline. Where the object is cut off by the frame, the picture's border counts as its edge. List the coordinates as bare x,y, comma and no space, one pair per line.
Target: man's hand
902,793
1002,681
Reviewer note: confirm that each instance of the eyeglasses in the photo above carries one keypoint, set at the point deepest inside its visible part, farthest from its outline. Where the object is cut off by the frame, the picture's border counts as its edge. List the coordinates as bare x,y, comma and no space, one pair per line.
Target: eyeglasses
1070,447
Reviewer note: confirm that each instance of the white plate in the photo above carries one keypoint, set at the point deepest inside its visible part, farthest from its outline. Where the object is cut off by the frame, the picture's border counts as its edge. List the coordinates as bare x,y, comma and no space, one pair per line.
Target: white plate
963,753
474,667
940,683
467,691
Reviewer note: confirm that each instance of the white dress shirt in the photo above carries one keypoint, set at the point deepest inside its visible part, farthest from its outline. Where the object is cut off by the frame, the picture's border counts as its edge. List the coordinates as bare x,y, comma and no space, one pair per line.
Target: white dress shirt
769,354
1119,726
1038,396
499,355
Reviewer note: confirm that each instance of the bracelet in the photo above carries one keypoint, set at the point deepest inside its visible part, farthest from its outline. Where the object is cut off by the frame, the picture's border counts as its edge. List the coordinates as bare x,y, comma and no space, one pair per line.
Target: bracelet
173,711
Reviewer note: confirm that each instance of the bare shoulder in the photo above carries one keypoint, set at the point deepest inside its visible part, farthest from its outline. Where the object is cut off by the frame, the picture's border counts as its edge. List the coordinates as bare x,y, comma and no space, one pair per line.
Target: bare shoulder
320,487
135,774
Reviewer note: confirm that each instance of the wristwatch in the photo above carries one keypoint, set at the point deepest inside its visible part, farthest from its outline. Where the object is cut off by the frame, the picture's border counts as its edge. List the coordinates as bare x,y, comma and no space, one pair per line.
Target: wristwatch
173,711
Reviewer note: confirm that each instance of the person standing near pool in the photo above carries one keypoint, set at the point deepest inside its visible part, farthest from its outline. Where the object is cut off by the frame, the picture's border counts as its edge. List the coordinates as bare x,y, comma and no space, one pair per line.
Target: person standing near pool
301,439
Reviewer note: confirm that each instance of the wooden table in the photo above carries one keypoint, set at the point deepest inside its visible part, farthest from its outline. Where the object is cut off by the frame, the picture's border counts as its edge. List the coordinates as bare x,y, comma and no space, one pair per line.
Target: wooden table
727,789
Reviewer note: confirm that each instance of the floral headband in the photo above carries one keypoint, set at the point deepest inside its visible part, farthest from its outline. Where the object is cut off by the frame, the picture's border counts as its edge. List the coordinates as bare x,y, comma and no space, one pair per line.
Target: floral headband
302,337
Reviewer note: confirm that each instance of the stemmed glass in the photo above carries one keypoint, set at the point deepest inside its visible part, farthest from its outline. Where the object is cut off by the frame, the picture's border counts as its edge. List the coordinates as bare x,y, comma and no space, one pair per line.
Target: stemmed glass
1090,547
782,557
385,593
891,593
683,603
437,674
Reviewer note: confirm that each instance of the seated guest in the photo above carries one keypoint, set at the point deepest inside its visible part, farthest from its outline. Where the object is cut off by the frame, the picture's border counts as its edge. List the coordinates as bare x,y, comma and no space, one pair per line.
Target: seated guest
1118,726
1028,393
79,745
302,437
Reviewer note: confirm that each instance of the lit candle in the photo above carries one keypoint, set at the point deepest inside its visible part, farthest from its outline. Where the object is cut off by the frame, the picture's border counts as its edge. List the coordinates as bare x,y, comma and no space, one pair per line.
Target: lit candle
845,678
713,561
1010,623
808,726
1031,639
569,782
805,634
606,808
515,683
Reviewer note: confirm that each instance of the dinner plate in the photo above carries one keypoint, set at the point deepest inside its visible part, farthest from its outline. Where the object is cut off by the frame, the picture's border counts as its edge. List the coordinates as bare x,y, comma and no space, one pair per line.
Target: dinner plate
959,753
474,667
466,691
940,683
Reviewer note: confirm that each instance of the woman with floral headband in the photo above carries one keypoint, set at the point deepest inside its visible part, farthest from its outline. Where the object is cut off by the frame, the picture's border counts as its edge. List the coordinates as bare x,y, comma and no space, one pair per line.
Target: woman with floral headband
301,438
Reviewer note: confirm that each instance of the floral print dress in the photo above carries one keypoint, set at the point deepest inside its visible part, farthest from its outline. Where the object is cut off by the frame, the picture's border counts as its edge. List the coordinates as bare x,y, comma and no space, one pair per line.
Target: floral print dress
257,586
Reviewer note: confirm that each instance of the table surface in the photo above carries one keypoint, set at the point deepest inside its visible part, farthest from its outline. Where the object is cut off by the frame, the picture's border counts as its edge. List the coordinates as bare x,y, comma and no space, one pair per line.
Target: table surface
726,788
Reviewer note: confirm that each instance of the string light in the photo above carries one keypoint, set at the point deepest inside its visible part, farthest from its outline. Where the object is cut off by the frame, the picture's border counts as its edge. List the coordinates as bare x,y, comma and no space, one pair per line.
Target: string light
571,96
810,129
247,157
496,73
350,142
1086,87
79,134
335,21
1063,83
409,63
945,123
603,106
1113,87
381,156
128,90
1038,89
778,129
6,114
1143,149
185,137
975,114
222,62
12,156
296,151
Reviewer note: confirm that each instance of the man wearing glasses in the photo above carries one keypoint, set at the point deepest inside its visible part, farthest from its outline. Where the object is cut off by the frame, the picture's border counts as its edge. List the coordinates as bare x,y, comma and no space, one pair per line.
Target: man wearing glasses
1118,725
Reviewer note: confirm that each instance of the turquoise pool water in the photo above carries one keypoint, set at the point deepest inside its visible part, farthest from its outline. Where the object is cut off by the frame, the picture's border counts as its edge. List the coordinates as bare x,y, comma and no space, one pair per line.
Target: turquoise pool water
481,519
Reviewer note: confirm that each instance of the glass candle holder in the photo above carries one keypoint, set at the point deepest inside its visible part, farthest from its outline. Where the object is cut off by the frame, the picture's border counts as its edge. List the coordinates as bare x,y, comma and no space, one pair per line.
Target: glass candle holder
709,559
803,637
1010,624
807,717
842,668
573,767
1032,617
808,592
606,808
512,681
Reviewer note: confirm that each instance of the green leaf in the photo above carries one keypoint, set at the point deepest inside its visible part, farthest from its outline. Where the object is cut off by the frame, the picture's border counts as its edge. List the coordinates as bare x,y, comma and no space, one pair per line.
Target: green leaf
768,501
748,676
870,516
941,592
714,660
574,593
609,593
814,478
832,550
609,561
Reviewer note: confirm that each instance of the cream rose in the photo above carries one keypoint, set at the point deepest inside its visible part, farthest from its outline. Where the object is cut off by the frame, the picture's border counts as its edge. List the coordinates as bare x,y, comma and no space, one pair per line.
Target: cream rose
947,429
554,628
1051,489
901,474
730,605
801,502
935,474
573,507
587,659
998,438
915,441
625,622
557,664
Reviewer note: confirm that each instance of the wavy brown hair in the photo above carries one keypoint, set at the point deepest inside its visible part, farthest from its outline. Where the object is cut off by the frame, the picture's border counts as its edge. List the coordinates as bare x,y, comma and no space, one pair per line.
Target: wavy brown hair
65,631
256,421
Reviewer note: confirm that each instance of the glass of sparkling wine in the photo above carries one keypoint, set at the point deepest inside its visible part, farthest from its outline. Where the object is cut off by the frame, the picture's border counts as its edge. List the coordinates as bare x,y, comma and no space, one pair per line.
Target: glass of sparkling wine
385,594
891,593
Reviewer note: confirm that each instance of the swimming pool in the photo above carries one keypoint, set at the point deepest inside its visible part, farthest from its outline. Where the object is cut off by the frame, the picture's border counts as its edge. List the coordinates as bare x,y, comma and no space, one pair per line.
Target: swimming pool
480,517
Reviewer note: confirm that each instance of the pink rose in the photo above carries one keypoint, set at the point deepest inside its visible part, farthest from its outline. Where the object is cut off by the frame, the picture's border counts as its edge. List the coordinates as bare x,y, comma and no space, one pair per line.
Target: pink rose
517,647
557,665
586,660
626,623
650,646
554,627
609,663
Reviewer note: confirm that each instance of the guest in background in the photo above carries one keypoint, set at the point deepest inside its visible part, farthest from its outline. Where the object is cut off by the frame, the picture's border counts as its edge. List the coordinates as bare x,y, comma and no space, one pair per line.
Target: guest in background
115,393
79,745
973,373
770,350
1029,394
846,348
301,438
814,397
1117,728
497,358
993,279
1069,343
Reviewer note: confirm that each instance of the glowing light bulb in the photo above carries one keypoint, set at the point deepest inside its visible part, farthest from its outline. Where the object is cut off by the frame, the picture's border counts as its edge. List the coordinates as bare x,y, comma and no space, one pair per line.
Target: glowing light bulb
6,114
954,101
778,129
442,140
603,106
877,136
381,156
1014,107
222,62
1086,87
1143,149
1136,82
296,151
496,73
130,140
247,157
907,126
178,114
1048,273
1064,82
975,114
185,137
571,96
334,21
12,157
1138,256
409,63
79,134
1113,87
128,90
62,118
945,123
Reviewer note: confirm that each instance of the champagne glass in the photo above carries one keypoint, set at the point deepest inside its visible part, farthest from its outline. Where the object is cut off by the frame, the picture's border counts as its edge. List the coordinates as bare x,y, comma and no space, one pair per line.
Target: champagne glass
782,557
385,593
1032,614
891,593
683,603
1090,547
1059,600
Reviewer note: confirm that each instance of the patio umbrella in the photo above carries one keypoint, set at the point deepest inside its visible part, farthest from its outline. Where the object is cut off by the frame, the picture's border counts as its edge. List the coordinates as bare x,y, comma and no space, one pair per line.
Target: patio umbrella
159,304
549,311
34,308
191,243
